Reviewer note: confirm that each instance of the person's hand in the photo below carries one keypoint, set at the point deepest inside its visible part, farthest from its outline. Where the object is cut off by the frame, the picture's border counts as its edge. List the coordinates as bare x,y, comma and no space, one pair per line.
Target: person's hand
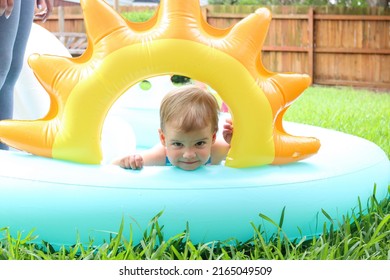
228,131
6,7
131,162
45,9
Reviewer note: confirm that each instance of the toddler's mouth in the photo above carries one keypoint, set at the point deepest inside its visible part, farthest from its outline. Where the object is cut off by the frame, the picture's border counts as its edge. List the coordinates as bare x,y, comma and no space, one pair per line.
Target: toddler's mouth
190,162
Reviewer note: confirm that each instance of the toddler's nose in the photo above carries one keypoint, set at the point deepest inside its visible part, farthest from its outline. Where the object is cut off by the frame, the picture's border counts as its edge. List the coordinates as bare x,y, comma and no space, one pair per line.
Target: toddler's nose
189,153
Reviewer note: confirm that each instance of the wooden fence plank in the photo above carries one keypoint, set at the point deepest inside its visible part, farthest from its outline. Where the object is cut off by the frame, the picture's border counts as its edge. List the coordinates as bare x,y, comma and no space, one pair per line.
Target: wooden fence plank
352,17
353,50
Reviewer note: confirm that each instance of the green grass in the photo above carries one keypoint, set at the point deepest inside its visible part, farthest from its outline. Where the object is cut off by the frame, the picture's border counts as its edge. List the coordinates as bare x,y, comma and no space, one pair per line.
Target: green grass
358,112
363,236
140,16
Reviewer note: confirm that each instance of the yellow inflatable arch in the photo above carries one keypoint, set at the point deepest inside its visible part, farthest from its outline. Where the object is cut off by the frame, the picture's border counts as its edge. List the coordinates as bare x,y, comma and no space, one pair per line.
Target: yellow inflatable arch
177,40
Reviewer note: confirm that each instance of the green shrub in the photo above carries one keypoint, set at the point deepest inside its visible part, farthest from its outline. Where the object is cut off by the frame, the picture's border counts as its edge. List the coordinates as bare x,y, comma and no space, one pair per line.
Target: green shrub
141,16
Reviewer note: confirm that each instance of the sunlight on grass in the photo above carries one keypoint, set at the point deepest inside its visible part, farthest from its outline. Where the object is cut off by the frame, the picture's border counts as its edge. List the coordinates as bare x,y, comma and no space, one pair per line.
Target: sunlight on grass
358,112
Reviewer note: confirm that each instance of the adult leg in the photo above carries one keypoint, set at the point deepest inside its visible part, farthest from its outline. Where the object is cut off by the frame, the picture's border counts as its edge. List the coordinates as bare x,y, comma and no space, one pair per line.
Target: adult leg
13,40
8,30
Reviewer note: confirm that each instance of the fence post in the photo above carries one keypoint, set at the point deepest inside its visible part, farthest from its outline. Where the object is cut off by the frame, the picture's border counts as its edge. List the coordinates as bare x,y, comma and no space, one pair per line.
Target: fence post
311,43
116,5
205,13
61,19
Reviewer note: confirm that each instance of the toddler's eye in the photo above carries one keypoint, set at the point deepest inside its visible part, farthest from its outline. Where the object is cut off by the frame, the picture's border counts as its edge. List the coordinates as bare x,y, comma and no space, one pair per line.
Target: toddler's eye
177,144
200,143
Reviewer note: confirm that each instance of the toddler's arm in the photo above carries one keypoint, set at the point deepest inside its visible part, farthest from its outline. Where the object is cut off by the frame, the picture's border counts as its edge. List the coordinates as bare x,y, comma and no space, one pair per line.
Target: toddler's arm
221,146
130,162
228,131
154,156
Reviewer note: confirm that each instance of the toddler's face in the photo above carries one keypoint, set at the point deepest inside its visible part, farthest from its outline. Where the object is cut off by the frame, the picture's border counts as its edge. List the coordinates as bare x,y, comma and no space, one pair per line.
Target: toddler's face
187,150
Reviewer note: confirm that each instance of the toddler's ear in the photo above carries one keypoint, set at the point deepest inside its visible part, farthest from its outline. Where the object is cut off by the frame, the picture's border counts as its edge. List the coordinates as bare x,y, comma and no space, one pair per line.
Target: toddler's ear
214,137
162,136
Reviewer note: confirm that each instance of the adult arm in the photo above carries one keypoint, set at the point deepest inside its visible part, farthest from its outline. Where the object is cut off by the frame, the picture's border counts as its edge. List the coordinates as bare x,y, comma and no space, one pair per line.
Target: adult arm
6,7
46,8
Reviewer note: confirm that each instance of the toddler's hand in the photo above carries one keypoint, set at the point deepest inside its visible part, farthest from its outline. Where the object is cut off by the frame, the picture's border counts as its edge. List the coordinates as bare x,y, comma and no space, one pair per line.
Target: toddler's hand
228,131
132,162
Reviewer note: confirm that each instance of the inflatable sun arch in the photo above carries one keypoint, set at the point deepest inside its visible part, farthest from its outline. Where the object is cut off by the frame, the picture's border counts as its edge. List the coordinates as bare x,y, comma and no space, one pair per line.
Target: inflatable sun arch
177,40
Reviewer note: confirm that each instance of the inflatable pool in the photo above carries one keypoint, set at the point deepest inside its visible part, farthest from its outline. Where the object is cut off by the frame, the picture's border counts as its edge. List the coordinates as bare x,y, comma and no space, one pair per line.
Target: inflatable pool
63,200
62,185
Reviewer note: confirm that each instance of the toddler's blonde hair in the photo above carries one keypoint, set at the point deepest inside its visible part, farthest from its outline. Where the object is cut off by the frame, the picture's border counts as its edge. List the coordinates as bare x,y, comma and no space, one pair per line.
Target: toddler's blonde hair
189,107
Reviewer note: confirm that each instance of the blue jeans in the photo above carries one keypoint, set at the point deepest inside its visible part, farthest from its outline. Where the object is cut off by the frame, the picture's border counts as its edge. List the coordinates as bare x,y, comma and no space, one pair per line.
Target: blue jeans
14,33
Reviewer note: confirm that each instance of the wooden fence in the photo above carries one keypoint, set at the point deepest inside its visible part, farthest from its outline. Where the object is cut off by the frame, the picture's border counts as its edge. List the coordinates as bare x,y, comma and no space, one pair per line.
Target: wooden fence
335,47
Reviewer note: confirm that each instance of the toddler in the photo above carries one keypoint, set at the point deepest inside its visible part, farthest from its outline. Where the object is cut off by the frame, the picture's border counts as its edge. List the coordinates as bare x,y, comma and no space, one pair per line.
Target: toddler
188,132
